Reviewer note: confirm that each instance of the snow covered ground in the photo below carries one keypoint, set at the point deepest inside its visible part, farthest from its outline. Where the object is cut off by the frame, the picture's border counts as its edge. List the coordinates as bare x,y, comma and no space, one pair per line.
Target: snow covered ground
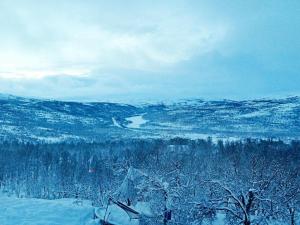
22,211
136,121
115,123
16,211
116,215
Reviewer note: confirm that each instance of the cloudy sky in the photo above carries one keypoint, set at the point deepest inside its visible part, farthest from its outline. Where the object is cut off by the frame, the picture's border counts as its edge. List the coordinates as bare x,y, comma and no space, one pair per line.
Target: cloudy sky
134,50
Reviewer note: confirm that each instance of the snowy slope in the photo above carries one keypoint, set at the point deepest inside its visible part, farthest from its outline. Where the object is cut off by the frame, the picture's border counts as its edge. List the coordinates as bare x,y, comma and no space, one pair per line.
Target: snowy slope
23,211
53,121
136,121
14,211
116,215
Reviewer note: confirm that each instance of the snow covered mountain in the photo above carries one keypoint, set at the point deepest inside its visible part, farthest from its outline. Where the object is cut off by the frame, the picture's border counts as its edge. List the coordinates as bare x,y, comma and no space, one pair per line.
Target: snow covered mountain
51,121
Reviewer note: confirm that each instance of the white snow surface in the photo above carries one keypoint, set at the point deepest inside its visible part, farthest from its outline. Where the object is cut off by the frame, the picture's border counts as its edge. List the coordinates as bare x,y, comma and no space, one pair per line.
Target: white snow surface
116,215
136,121
22,211
143,208
115,123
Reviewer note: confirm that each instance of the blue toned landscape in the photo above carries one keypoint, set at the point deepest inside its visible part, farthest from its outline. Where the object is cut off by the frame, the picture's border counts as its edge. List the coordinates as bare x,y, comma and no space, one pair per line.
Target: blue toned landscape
175,112
53,121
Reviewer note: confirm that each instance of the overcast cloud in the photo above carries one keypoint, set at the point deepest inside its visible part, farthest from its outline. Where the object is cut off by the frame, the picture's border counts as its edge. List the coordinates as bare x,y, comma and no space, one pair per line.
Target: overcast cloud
149,50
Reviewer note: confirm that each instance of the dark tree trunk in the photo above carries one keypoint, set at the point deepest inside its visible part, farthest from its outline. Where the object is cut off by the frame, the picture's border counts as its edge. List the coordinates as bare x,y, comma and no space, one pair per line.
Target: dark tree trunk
292,214
247,222
248,206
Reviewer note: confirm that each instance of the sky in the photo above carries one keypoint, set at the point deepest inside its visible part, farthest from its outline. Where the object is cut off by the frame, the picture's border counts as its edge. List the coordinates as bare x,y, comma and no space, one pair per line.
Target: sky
149,50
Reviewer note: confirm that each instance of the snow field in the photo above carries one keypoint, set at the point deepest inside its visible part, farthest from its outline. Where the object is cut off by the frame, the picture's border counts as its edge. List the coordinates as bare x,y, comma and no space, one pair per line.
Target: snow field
16,211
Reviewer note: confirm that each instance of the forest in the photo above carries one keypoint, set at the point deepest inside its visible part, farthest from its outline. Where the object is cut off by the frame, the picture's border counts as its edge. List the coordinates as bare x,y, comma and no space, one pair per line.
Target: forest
249,181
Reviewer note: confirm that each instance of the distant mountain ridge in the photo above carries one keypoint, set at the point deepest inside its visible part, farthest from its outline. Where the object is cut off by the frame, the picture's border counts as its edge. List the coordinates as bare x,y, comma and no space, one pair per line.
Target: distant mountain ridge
52,121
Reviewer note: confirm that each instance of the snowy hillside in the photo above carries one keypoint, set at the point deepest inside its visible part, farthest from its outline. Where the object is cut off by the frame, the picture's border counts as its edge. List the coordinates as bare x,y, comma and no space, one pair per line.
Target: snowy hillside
58,212
178,180
66,212
54,121
44,212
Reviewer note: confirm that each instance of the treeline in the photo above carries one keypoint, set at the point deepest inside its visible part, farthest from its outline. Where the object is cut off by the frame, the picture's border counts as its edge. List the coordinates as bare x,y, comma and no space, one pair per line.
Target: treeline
249,181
